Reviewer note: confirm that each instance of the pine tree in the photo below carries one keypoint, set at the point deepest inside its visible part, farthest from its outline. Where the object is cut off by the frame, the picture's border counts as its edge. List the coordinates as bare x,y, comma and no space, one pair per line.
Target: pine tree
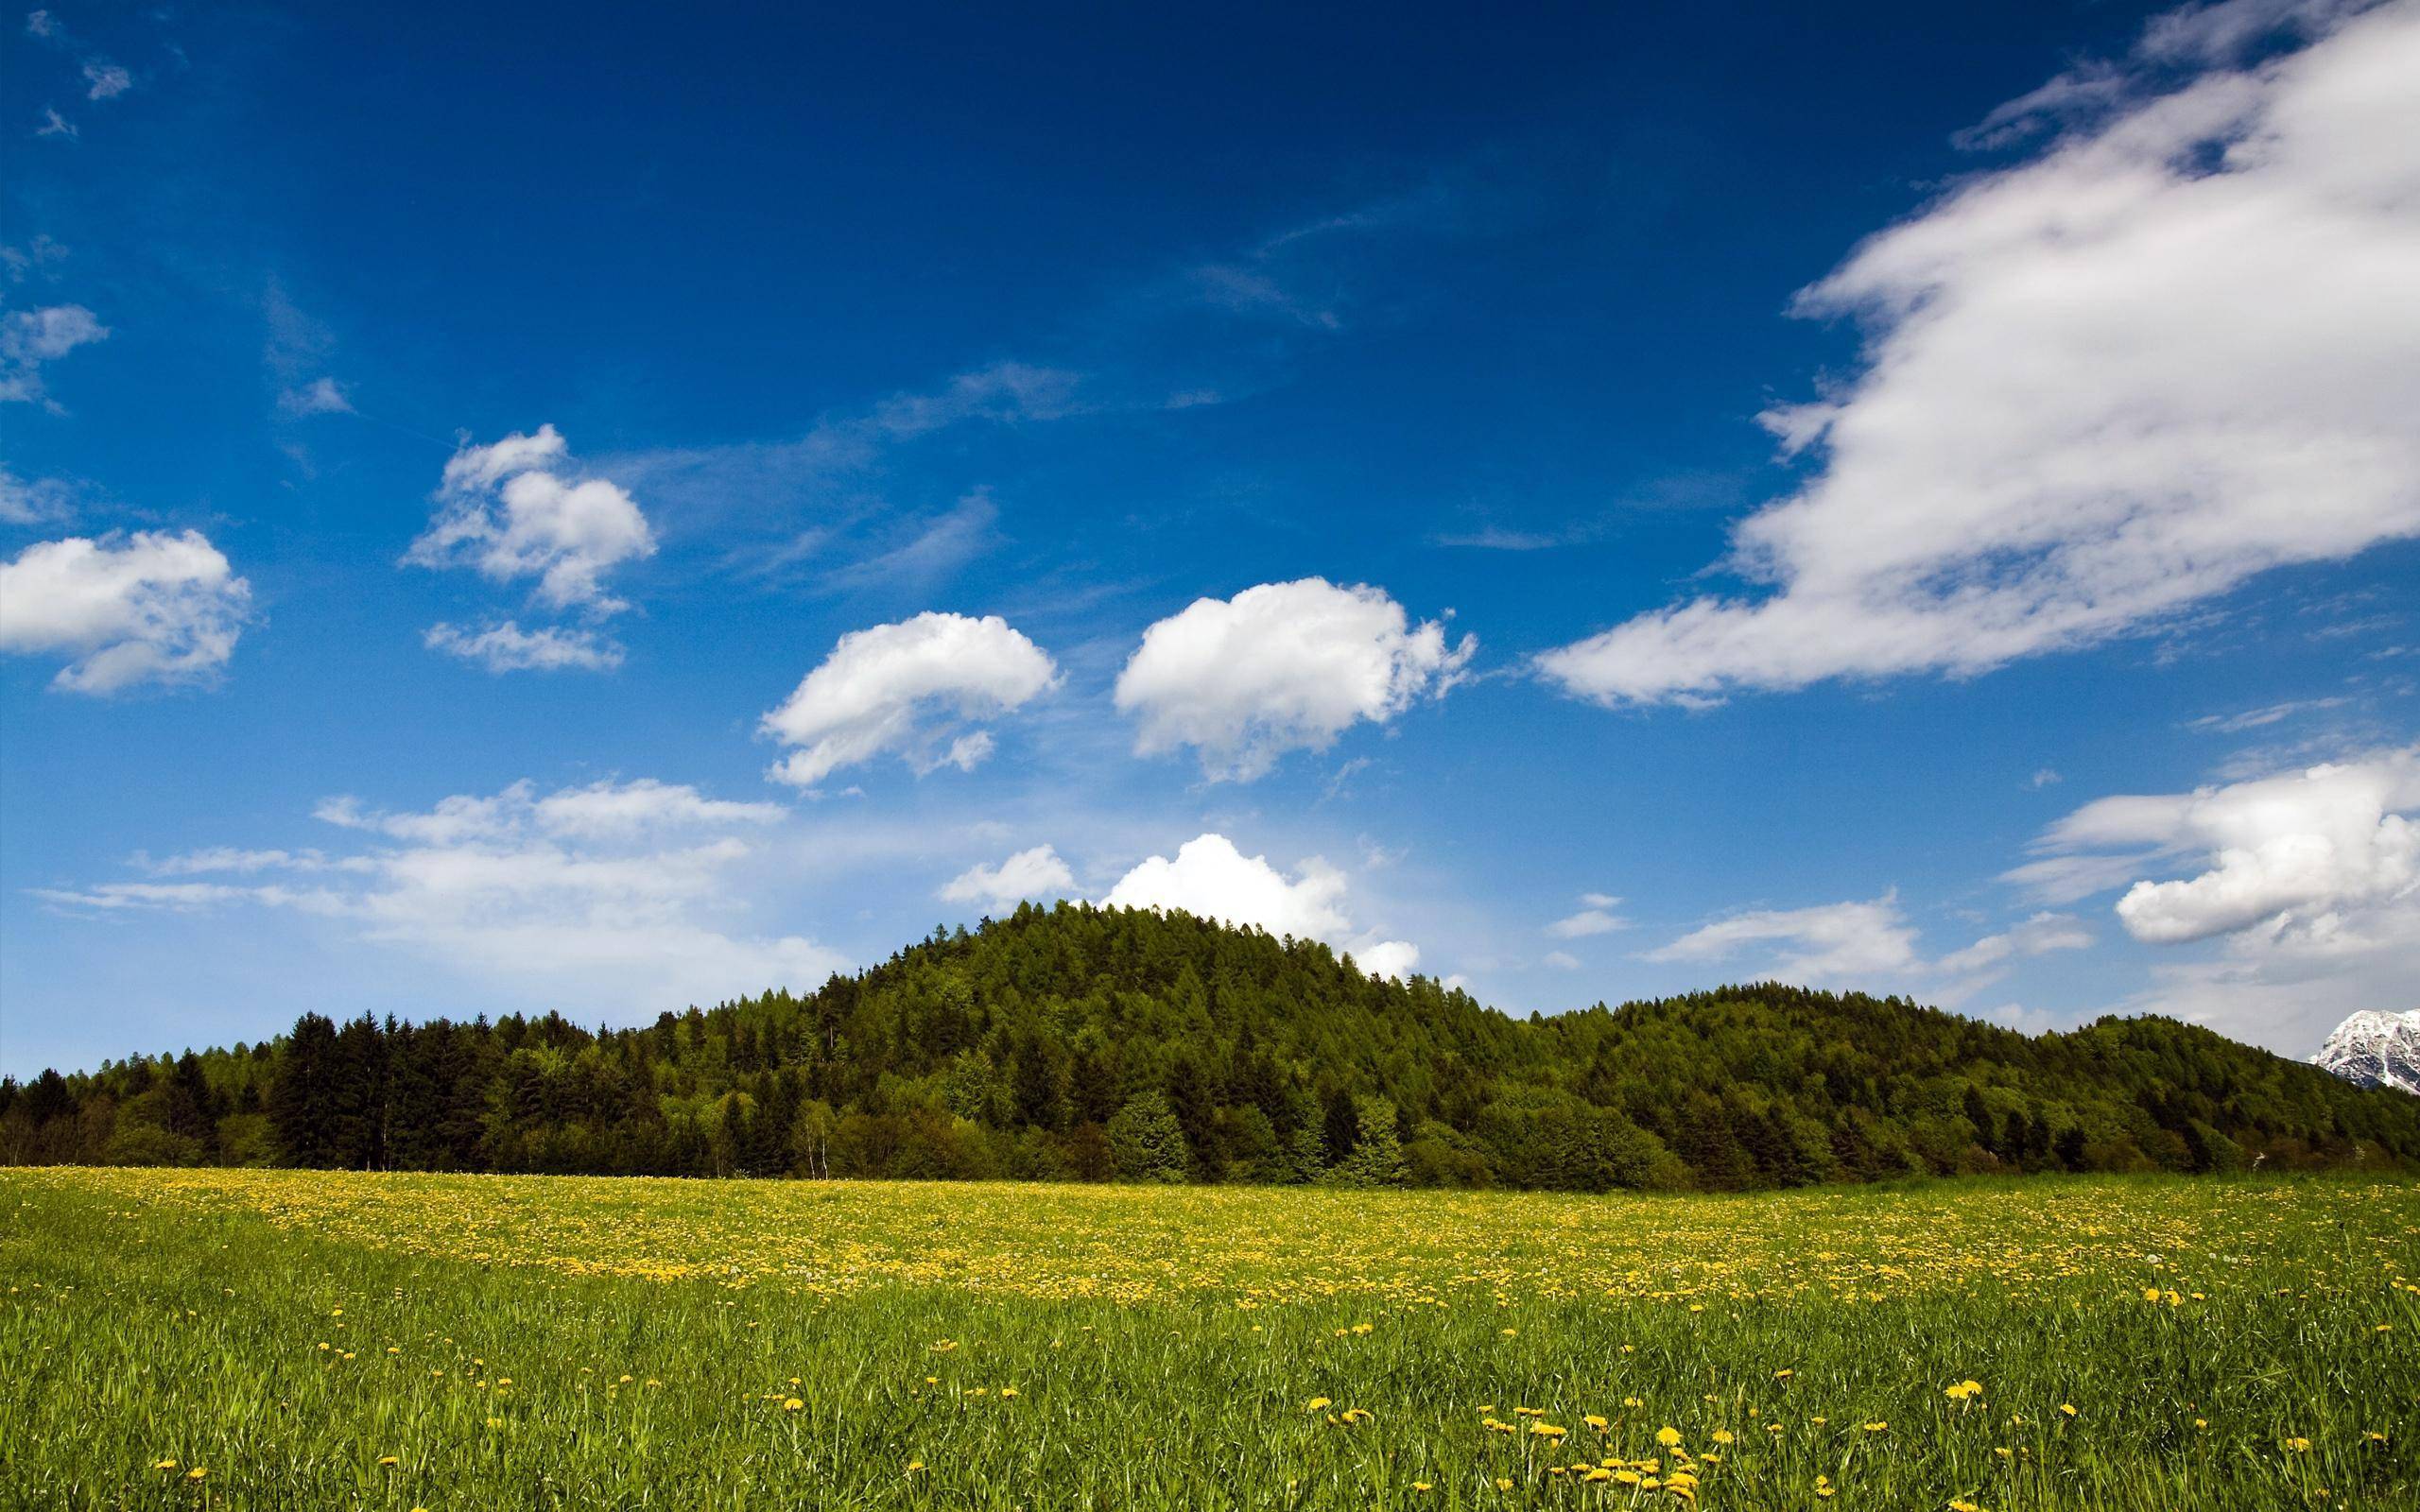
302,1103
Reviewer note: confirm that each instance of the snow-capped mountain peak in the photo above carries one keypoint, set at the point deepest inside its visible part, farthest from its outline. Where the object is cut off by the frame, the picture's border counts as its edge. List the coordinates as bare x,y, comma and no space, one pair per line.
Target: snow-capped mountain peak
2371,1049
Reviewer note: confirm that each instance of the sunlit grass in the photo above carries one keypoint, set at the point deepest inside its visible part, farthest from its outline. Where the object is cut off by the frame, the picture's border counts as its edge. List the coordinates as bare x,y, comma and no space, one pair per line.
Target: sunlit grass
307,1339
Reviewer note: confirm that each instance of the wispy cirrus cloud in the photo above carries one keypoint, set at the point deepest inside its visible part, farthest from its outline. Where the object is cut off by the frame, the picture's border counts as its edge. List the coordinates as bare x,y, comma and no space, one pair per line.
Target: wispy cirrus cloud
630,893
1869,945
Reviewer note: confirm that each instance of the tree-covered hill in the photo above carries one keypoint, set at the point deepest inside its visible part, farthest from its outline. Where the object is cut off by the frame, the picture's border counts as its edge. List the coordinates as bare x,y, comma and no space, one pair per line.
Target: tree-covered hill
1089,1043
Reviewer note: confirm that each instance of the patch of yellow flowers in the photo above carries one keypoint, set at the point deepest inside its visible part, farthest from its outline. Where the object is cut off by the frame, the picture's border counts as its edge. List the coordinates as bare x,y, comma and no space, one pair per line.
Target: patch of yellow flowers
1134,1245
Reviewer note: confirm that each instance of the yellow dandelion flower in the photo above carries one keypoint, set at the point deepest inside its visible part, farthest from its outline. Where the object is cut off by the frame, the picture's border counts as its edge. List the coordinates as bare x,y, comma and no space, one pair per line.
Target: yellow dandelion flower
2066,1409
2300,1446
165,1465
1668,1436
791,1405
1875,1427
1315,1403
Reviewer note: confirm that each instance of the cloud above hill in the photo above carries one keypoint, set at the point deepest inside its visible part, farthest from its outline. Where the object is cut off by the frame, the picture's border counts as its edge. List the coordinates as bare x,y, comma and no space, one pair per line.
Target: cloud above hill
1210,879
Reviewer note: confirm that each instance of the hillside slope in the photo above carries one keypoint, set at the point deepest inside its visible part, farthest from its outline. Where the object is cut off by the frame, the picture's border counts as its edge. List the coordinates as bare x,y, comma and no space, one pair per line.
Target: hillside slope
1091,1043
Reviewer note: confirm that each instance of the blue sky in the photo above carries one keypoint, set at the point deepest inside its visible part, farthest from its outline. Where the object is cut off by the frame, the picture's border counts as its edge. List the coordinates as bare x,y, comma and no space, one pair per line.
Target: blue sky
586,509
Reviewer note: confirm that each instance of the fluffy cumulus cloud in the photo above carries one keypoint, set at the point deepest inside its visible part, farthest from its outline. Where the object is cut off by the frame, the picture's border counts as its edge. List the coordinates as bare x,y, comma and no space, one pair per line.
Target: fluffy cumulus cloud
2170,351
910,690
1281,667
2305,884
625,892
517,508
2301,851
508,647
29,338
1210,879
1037,873
1868,946
148,607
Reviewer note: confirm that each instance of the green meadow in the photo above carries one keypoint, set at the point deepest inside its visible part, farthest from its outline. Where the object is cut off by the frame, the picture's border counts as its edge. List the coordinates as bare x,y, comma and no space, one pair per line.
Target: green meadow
191,1339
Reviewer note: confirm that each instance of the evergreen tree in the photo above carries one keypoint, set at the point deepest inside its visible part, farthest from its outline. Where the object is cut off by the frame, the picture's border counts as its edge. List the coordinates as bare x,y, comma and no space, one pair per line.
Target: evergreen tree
1146,1140
1376,1157
301,1098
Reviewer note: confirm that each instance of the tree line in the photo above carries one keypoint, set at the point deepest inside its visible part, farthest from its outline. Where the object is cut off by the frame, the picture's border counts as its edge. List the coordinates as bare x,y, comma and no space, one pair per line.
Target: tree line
1084,1043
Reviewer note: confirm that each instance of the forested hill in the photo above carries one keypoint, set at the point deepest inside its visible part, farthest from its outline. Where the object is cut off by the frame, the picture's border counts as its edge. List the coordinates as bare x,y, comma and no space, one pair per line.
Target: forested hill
1088,1043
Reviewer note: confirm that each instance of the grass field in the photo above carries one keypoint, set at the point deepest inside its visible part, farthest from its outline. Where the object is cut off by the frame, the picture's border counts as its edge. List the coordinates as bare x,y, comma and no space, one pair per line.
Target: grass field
294,1339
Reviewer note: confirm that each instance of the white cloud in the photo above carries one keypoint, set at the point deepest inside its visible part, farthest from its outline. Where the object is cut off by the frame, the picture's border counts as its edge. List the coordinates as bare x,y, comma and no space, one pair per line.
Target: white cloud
1003,393
902,688
2066,879
220,859
1280,667
176,897
2299,852
107,81
2168,353
938,547
1563,960
607,809
508,510
29,338
150,607
508,647
619,891
320,396
1868,946
1211,878
53,124
2038,936
1037,873
2256,718
1387,957
1597,917
2044,777
33,502
2306,884
1855,944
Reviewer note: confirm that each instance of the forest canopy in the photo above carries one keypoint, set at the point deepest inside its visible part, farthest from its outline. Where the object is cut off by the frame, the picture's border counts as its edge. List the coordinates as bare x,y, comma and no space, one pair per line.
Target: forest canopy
1085,1044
